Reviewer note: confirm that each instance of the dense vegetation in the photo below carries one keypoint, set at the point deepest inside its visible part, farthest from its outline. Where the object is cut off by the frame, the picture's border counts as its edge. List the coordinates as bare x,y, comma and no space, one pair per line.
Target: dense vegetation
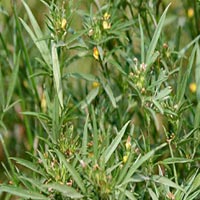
100,99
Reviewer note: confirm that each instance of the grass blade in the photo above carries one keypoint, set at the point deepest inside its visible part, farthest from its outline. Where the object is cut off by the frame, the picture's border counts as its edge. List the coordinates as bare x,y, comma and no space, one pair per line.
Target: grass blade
22,193
56,74
109,151
155,38
95,133
141,40
181,86
85,137
41,44
165,181
87,77
13,80
2,94
29,165
152,194
197,72
176,160
140,161
127,194
109,92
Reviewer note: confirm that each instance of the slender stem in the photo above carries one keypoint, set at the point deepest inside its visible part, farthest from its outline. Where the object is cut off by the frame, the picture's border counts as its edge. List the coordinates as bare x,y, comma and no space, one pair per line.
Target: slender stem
14,179
174,167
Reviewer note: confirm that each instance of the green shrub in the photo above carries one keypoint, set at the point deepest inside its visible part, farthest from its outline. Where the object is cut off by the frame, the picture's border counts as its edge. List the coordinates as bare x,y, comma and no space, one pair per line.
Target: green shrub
108,95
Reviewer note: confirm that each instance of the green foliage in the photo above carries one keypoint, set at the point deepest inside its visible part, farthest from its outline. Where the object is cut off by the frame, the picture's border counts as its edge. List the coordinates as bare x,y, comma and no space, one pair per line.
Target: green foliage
107,95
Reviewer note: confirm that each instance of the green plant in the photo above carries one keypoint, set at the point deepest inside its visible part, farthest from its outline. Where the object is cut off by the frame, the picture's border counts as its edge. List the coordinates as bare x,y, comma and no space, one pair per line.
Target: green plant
125,130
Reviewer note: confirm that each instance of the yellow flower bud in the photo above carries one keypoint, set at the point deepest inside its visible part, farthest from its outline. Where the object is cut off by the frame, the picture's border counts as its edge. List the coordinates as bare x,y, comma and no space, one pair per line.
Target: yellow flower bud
96,53
95,84
106,16
125,158
106,25
190,12
63,23
193,87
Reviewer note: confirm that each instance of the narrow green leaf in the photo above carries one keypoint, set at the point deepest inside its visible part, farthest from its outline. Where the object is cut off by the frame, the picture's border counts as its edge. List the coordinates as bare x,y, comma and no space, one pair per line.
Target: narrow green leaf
13,80
87,77
38,115
112,147
181,87
192,185
141,40
2,94
182,51
197,72
33,21
45,3
140,161
43,48
194,195
109,93
11,105
39,44
125,169
156,36
165,181
152,194
154,117
33,182
85,137
95,133
196,183
163,94
17,191
153,59
176,160
72,171
10,164
156,103
90,97
29,165
64,190
128,194
55,119
75,37
56,74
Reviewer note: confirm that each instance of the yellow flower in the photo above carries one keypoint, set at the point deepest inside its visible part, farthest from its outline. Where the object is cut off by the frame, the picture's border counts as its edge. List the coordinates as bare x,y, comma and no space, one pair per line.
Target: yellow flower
96,53
193,87
63,23
190,12
106,16
125,158
106,25
95,84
